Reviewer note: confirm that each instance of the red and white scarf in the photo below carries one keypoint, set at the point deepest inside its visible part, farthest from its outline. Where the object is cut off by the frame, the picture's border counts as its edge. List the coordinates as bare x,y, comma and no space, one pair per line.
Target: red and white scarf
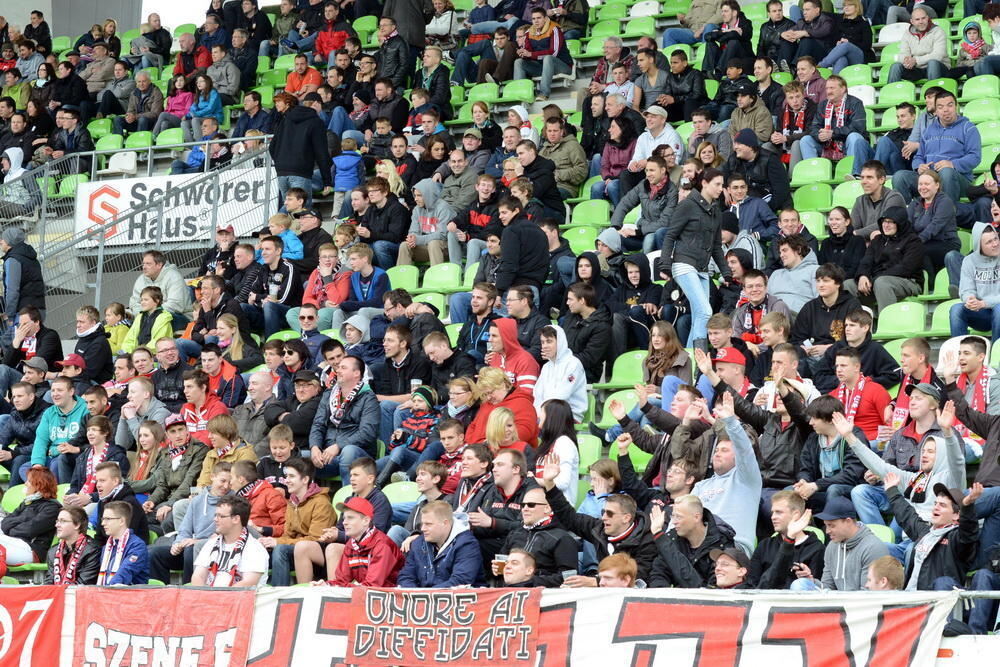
111,558
223,452
248,490
177,454
467,492
234,560
834,116
901,411
338,405
63,571
751,321
93,460
613,541
978,402
851,400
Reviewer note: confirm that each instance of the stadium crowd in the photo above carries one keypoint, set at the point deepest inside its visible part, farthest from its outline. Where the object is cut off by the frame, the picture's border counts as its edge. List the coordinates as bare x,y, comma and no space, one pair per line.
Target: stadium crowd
769,441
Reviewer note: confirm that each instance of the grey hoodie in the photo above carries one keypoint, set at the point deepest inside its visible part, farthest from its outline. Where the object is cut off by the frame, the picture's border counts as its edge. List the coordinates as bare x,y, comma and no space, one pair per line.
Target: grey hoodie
430,221
795,286
980,274
128,429
563,377
225,76
846,563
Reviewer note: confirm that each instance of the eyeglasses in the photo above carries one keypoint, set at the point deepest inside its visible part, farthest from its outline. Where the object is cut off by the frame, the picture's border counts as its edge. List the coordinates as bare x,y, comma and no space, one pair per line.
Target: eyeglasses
305,318
608,513
532,506
288,352
108,517
224,516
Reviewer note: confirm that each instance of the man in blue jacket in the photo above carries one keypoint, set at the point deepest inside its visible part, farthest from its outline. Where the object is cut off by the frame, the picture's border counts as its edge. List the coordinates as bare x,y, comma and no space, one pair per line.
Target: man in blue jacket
950,145
124,560
445,555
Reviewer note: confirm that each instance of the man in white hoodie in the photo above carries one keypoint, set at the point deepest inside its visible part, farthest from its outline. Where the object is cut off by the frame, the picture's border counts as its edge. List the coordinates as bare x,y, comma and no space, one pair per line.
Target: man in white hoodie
979,287
157,273
562,376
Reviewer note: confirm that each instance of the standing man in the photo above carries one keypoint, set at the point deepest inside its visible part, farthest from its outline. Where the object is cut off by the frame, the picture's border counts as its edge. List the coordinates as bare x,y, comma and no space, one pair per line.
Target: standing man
299,144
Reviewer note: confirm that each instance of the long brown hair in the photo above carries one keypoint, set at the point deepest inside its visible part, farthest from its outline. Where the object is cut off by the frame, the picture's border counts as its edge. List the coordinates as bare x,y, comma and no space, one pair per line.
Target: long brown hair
658,362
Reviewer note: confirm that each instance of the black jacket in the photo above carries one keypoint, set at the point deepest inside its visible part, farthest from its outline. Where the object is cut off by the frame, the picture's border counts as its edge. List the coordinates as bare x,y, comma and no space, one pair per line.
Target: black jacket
952,556
595,134
554,549
823,324
626,295
168,384
638,544
695,234
845,251
396,109
766,177
769,44
299,144
771,565
858,31
851,469
396,380
33,522
21,427
48,346
299,418
529,333
394,61
688,85
32,285
473,337
901,254
459,364
284,280
87,568
524,254
137,525
96,351
243,281
542,174
677,565
311,241
726,94
115,454
389,223
209,319
876,363
506,514
478,218
70,90
590,340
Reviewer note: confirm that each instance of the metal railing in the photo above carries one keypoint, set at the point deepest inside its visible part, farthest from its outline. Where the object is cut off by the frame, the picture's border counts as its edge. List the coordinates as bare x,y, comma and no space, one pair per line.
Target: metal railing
98,263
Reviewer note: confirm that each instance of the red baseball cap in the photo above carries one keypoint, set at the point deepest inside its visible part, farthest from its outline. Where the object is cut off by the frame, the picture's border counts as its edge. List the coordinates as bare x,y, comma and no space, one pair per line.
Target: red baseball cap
359,505
729,355
73,360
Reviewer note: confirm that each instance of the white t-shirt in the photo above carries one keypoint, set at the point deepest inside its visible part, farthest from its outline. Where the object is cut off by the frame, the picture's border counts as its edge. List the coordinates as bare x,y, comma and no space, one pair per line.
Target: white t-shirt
255,559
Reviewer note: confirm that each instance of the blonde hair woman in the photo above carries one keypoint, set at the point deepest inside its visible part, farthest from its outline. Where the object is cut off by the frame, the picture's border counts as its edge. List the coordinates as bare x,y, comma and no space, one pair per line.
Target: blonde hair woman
496,391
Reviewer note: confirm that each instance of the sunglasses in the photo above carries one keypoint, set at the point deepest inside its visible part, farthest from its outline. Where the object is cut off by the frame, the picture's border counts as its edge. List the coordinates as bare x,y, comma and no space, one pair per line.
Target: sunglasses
532,506
306,318
608,513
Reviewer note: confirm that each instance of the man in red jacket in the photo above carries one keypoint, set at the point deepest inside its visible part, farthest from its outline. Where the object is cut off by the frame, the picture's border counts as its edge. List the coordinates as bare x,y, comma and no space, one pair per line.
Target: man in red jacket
267,504
332,36
370,557
191,60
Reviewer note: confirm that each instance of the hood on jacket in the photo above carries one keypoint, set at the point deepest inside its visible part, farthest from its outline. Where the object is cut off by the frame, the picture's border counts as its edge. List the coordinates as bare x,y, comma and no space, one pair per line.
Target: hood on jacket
903,224
562,347
459,525
358,322
299,115
641,261
16,157
508,334
430,191
521,111
977,242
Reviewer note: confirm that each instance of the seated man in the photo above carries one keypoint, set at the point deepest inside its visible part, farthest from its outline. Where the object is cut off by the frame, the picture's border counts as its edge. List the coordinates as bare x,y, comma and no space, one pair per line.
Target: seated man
276,289
684,552
794,283
75,559
875,199
553,549
267,504
566,153
124,558
828,469
775,562
865,400
370,557
747,317
950,145
792,126
562,376
543,53
849,553
753,215
617,571
232,558
979,290
446,543
157,272
518,569
765,174
466,69
839,128
885,574
893,266
751,114
891,148
656,198
876,363
506,353
340,436
685,91
588,329
820,322
923,50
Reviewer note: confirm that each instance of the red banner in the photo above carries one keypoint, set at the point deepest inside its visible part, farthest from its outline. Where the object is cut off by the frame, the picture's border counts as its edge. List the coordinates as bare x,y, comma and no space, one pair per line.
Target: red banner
31,619
171,627
455,627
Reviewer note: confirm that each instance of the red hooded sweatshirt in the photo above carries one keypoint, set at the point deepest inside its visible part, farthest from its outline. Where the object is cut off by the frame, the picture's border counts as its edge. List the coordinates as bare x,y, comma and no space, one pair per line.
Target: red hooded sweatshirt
518,401
521,368
197,420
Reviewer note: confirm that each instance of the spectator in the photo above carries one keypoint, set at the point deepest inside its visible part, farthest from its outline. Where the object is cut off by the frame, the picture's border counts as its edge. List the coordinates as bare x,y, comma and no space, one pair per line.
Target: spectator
864,400
770,43
685,89
284,22
652,83
874,200
923,51
212,32
615,158
225,75
142,107
92,346
567,155
657,132
933,218
588,329
299,143
854,46
775,559
393,57
704,129
892,268
303,79
332,36
614,52
543,53
489,50
192,60
15,88
244,56
384,225
24,285
684,551
838,130
794,283
821,321
540,171
156,272
980,307
810,78
232,557
851,551
426,239
701,17
156,51
795,117
207,104
75,559
201,407
764,173
255,25
843,246
346,422
151,323
125,551
442,28
72,138
445,555
29,60
750,113
813,35
140,407
179,101
434,78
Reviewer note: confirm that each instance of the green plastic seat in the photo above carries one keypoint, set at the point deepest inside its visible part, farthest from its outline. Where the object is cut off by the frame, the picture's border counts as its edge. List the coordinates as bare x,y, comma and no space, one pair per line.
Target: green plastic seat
342,494
814,197
685,130
183,28
946,83
155,582
367,23
941,321
445,277
470,276
10,581
401,492
457,96
591,449
464,116
857,75
640,27
989,131
62,43
626,397
901,320
894,347
584,192
989,154
614,10
581,239
109,142
940,291
436,299
143,139
288,334
846,194
266,95
779,77
640,459
965,237
602,29
285,63
99,127
272,77
453,330
403,277
811,170
674,7
884,533
895,93
69,184
12,497
486,92
626,371
981,87
596,213
815,222
170,137
518,91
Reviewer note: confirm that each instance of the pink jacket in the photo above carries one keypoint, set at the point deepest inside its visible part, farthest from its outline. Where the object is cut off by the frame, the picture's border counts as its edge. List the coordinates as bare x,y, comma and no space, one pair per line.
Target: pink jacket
614,159
179,104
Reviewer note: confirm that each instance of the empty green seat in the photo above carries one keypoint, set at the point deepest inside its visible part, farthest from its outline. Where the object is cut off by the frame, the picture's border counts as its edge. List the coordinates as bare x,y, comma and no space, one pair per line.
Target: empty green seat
846,194
487,92
403,277
814,197
901,320
170,136
595,212
143,139
444,277
626,371
811,170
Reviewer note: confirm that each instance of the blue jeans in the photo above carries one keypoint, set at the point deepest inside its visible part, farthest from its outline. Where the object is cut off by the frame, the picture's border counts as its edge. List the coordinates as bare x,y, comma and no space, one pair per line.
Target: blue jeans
387,408
303,43
282,562
636,415
547,68
274,317
889,154
841,56
460,307
612,189
988,65
595,166
799,585
875,11
140,125
983,617
466,69
182,167
402,456
962,319
304,182
341,463
9,376
870,501
953,183
187,349
489,27
340,121
855,147
673,36
935,70
61,466
695,288
471,248
386,253
988,508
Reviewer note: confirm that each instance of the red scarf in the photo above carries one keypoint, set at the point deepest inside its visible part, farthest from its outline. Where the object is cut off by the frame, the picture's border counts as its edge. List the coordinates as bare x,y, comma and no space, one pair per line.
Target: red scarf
612,541
751,322
90,484
834,116
978,401
63,572
853,400
791,122
466,492
902,410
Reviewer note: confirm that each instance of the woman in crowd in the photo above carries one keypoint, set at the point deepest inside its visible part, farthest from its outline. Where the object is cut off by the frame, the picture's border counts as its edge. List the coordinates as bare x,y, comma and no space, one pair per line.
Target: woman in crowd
843,247
501,433
182,467
933,216
431,159
111,38
855,44
41,87
496,391
617,154
206,104
27,532
517,116
709,155
442,29
482,120
387,170
296,358
150,463
557,437
240,353
151,324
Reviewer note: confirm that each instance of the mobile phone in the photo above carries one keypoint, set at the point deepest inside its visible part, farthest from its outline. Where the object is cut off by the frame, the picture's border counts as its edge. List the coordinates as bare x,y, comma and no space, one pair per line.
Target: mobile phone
566,574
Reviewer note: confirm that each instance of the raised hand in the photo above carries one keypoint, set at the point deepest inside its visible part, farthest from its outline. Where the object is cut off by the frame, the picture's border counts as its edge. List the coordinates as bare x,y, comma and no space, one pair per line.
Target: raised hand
551,470
642,394
724,408
842,424
946,416
703,361
798,526
890,480
617,409
973,495
623,441
657,519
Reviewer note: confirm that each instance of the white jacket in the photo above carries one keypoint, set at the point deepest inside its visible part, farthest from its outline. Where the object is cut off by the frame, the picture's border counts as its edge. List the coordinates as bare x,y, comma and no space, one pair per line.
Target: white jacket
934,46
176,296
563,378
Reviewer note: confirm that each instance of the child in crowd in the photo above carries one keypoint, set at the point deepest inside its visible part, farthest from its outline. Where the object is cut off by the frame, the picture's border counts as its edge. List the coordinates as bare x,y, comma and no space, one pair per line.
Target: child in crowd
151,324
380,144
348,171
116,324
357,341
415,432
972,49
620,85
345,237
280,225
271,468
